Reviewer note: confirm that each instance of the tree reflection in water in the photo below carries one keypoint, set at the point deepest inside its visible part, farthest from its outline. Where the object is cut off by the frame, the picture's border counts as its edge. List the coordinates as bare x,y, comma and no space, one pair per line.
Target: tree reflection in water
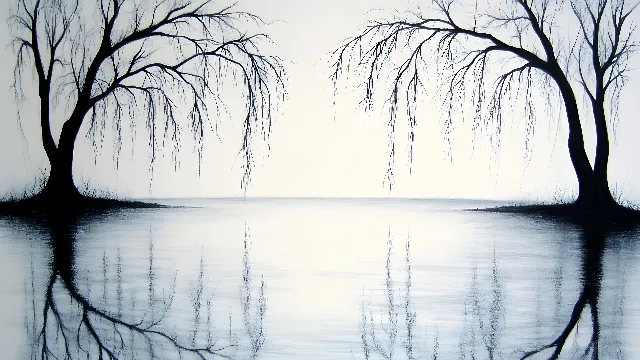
593,245
482,322
484,317
72,324
371,340
382,339
253,321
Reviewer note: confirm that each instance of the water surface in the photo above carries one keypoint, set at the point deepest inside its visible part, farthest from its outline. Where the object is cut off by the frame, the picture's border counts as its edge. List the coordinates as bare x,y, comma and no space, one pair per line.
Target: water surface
317,279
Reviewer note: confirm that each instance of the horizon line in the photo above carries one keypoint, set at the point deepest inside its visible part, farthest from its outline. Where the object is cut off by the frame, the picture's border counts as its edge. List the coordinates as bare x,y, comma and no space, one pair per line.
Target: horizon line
310,197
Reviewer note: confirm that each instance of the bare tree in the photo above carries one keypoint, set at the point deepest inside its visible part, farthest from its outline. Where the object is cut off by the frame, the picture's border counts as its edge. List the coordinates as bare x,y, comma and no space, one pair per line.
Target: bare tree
162,63
607,45
515,43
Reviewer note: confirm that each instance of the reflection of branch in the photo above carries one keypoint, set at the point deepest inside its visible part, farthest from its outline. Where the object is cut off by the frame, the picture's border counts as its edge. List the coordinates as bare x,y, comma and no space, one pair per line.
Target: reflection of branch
410,314
368,326
84,328
371,342
558,343
496,311
592,271
488,334
253,323
366,347
386,349
145,331
198,297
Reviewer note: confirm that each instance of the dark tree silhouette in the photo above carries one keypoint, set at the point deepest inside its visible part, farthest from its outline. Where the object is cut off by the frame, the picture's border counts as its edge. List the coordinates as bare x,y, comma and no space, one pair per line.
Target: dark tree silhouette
602,63
519,45
160,64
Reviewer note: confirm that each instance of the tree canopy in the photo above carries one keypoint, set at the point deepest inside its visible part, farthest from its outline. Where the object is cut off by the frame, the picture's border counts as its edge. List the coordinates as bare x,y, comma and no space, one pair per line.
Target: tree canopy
157,65
487,57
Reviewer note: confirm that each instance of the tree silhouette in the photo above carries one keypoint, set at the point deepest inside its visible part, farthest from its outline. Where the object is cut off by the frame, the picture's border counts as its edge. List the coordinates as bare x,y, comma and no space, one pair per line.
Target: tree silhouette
518,44
602,63
160,65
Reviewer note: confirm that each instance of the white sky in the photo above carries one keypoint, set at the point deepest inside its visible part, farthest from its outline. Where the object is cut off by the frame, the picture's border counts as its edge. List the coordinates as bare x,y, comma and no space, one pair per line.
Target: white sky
313,155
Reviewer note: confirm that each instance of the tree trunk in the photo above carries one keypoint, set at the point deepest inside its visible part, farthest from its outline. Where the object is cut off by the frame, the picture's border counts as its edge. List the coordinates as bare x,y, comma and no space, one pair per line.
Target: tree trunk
60,188
59,191
579,159
603,196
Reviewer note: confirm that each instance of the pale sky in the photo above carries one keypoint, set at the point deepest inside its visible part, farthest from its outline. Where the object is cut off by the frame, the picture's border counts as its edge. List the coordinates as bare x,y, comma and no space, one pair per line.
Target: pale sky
313,155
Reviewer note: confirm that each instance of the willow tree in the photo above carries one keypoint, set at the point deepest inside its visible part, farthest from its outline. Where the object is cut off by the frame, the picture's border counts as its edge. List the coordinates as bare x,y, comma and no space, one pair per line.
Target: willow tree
490,56
161,65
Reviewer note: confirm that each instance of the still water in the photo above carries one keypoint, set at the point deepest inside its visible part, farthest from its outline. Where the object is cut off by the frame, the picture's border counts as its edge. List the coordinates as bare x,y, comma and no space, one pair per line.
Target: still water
316,279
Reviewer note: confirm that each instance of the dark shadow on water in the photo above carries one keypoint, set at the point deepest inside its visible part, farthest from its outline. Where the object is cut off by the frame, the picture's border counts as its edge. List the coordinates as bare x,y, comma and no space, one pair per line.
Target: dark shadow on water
67,321
37,207
616,218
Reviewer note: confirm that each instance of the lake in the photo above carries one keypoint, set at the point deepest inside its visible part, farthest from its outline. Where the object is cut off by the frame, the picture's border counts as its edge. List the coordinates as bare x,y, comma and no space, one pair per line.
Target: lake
317,279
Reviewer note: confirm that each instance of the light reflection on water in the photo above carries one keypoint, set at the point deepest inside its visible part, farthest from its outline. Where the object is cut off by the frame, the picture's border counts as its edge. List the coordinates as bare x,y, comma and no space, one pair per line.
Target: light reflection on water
276,279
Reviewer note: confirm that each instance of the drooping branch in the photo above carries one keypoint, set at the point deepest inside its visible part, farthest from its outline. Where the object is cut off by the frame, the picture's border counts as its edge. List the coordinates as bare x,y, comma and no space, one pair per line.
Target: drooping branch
40,32
143,61
408,46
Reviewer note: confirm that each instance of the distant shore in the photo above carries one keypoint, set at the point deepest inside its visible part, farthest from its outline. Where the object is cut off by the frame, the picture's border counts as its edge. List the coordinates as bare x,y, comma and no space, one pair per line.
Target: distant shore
566,212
